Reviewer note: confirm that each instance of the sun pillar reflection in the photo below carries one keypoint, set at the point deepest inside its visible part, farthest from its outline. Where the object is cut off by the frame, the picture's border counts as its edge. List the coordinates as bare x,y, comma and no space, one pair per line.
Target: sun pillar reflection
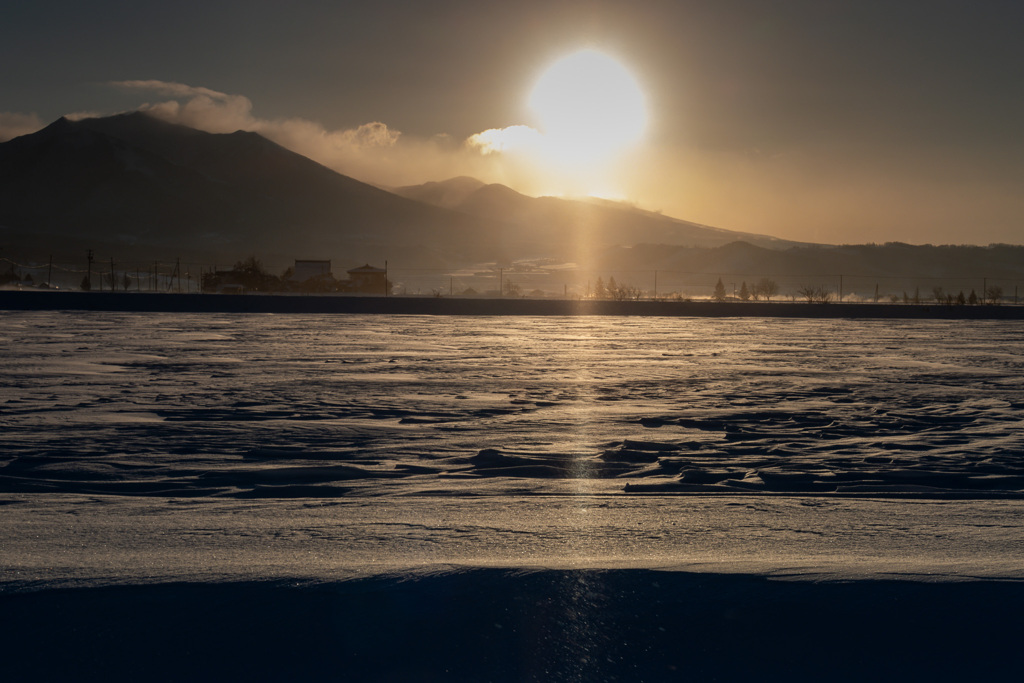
580,591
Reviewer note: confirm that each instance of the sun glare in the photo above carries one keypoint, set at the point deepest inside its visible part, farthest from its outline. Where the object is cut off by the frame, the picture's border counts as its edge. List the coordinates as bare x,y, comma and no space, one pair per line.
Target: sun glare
588,108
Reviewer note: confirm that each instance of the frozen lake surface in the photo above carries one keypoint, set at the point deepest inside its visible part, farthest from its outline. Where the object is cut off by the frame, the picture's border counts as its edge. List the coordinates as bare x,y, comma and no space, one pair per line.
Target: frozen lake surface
161,450
325,406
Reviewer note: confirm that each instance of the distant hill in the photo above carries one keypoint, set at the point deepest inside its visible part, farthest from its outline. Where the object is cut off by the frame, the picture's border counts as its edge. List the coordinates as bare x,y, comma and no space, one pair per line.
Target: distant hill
573,223
866,270
617,239
450,194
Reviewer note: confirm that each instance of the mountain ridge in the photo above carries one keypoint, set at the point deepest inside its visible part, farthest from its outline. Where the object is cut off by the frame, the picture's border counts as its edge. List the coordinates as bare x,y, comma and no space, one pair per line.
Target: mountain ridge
135,181
604,222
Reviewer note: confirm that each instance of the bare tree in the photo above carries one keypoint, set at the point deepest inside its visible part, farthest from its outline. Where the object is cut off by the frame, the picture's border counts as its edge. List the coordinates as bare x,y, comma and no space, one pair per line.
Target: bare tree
815,295
623,292
765,288
993,294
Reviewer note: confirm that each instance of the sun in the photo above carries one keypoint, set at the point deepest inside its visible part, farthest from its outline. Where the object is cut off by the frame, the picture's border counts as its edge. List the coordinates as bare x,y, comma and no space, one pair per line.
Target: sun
588,107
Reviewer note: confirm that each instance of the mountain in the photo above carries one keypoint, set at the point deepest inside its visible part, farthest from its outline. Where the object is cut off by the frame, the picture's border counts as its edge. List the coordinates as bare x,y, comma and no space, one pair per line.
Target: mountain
135,183
448,194
865,271
594,222
136,186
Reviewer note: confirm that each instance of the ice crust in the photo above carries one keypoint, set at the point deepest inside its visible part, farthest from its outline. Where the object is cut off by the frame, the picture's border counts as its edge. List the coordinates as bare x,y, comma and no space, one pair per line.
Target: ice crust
282,406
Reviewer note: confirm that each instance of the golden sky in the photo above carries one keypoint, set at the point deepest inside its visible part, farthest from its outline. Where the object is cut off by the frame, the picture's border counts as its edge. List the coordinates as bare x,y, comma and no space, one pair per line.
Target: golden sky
841,122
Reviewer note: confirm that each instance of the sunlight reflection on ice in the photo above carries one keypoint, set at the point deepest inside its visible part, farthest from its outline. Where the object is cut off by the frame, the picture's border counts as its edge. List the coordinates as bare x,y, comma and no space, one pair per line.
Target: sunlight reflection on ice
290,405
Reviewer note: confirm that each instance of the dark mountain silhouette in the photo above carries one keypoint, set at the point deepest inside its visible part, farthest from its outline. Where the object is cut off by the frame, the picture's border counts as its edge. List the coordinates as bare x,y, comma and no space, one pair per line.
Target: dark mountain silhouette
449,194
893,259
133,184
594,222
865,270
133,180
635,243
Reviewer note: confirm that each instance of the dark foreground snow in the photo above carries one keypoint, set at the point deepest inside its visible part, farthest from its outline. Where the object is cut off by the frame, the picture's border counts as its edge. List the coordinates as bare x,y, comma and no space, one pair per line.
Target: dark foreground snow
242,497
508,625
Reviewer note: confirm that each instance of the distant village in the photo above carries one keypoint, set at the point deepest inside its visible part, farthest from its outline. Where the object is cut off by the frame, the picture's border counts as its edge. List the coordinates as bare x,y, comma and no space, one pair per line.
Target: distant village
527,279
303,276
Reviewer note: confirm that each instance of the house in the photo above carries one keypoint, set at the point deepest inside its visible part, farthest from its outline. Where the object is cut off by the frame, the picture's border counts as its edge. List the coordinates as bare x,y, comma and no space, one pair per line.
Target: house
369,280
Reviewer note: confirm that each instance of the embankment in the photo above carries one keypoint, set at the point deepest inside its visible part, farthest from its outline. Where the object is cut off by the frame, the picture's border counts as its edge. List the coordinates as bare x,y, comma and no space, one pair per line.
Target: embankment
290,303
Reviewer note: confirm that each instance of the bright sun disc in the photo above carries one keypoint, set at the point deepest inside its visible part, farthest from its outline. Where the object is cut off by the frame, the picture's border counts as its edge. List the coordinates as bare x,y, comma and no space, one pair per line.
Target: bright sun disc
589,107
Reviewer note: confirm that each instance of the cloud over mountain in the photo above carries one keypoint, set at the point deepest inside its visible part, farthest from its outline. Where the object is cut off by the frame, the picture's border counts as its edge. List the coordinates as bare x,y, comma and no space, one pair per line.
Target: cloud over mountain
372,151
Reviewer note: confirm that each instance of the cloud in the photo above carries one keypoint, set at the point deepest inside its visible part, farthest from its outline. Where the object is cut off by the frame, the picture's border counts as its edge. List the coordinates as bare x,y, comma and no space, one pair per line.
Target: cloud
371,152
374,134
510,139
13,125
81,115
